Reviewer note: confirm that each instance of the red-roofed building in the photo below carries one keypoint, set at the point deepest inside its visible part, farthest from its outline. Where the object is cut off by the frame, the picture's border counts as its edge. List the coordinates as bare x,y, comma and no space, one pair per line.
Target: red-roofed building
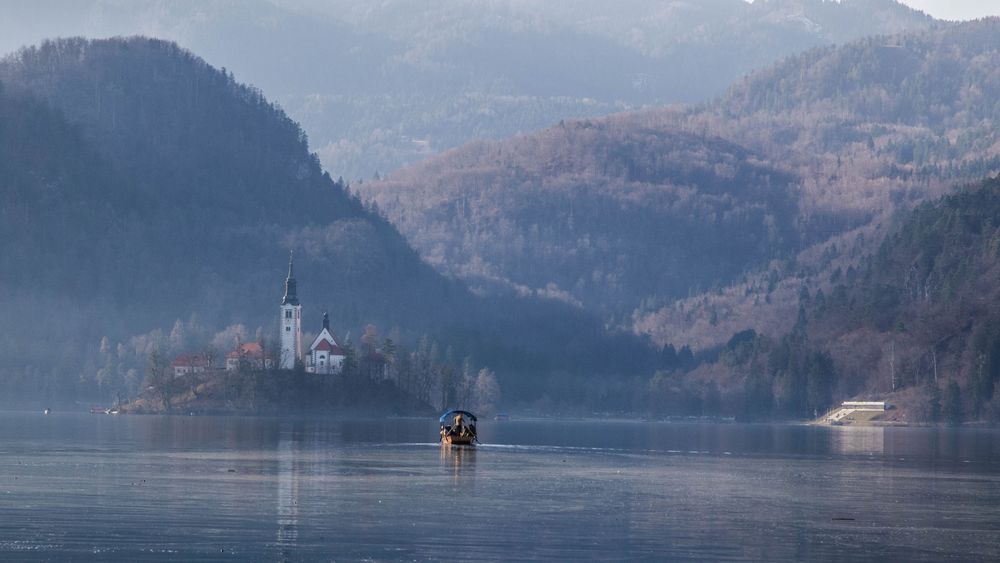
190,363
250,355
325,355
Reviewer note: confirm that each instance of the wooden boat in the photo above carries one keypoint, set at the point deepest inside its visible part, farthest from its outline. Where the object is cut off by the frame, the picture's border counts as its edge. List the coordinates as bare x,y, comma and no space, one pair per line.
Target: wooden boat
458,428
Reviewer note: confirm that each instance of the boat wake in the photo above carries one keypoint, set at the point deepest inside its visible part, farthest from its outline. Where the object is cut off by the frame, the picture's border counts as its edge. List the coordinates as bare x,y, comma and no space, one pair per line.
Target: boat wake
549,448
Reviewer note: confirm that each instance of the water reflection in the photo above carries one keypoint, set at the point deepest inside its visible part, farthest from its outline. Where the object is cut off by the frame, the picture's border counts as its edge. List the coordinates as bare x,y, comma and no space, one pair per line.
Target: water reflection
288,495
459,460
209,488
854,440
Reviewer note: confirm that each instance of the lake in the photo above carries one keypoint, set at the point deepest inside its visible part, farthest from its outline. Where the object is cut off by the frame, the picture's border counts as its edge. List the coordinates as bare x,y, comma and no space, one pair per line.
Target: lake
96,487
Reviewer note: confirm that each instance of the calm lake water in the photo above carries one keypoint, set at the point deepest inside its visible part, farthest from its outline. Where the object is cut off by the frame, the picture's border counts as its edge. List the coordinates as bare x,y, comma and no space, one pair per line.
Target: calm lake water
92,487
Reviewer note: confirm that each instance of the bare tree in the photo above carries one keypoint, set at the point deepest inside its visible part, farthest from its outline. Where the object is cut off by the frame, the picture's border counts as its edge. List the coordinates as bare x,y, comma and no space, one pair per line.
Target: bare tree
211,355
158,382
486,391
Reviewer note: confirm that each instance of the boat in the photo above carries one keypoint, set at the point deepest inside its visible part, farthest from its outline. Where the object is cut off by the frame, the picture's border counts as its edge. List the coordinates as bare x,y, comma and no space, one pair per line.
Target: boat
458,428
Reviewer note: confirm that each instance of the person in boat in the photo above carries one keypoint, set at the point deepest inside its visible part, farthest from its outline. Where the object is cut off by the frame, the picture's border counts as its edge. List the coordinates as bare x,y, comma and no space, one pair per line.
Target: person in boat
458,429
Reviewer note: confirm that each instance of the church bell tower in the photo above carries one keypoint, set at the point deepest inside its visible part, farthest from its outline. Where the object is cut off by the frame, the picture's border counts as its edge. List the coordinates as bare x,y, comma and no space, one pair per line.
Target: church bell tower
291,321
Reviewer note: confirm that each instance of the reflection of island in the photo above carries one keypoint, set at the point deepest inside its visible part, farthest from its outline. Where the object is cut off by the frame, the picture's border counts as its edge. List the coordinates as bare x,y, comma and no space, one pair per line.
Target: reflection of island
859,439
288,496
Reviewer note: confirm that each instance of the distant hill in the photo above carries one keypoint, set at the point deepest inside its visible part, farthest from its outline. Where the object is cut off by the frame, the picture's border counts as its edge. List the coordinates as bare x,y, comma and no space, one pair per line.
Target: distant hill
927,302
918,325
871,128
827,153
924,311
50,267
596,214
217,180
141,185
381,84
916,107
632,211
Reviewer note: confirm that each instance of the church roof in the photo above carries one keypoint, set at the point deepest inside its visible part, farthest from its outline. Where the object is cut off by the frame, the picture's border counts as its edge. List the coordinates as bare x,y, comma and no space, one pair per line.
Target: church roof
291,295
327,346
325,341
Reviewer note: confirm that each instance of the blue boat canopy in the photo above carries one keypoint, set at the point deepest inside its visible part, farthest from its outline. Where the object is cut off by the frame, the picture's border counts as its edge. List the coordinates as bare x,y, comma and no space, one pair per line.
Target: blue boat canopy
451,414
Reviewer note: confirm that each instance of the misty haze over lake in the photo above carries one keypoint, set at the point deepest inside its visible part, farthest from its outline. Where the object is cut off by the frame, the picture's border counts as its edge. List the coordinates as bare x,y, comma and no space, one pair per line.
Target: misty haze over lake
720,280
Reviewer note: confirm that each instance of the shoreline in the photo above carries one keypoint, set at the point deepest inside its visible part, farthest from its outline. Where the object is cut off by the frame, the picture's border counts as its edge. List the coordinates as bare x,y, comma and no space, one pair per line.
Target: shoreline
368,414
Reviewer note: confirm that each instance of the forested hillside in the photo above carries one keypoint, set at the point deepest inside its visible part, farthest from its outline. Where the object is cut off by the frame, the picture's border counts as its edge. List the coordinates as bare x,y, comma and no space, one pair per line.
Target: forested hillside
632,211
596,214
142,185
202,159
381,84
902,307
924,315
871,128
917,108
823,152
48,176
918,326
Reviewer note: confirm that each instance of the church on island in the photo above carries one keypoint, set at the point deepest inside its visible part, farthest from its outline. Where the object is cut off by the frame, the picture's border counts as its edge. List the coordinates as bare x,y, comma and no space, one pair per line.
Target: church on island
324,356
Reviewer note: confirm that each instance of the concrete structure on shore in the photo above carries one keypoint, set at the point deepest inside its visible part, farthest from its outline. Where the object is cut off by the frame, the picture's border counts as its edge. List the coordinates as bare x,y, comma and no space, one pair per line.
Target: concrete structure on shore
847,408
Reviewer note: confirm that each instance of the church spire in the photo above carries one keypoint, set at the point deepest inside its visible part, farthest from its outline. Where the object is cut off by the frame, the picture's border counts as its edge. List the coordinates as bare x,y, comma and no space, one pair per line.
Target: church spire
326,321
291,297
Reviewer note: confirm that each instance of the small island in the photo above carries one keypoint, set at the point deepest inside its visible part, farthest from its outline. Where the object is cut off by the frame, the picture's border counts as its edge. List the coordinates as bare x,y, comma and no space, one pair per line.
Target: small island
329,377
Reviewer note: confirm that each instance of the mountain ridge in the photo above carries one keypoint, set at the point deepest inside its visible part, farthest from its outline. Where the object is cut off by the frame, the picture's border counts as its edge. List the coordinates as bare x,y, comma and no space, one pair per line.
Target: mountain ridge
860,146
850,164
381,85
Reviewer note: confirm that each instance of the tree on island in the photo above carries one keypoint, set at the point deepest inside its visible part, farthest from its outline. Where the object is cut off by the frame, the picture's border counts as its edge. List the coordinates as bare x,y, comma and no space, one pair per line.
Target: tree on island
158,378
